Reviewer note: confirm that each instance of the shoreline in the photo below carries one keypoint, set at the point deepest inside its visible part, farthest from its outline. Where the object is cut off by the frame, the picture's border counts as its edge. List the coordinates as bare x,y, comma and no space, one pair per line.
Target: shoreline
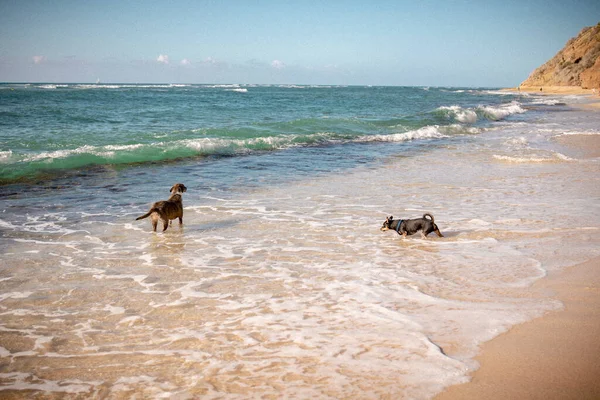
554,356
592,94
566,90
551,357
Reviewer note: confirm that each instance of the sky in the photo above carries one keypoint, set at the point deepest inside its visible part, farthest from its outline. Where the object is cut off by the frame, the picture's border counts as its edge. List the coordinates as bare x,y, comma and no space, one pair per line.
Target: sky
468,43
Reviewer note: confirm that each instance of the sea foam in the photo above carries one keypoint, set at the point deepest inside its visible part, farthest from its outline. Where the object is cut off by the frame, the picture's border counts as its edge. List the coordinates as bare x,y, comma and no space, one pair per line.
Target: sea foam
471,115
497,113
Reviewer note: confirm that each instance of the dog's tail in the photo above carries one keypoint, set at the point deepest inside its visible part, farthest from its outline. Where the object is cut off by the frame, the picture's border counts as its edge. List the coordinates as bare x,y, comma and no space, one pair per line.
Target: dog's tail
147,214
429,215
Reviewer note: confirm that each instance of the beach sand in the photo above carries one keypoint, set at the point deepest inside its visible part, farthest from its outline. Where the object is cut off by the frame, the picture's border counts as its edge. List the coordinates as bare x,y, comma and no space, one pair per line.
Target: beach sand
556,356
553,357
594,94
566,90
580,146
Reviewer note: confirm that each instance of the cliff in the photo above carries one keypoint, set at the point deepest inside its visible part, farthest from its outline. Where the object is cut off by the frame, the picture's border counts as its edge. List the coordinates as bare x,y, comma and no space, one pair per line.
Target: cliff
577,64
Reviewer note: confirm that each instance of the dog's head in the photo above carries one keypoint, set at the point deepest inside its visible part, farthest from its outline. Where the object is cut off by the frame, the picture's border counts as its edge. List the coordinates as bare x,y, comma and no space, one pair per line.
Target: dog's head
387,223
178,188
437,230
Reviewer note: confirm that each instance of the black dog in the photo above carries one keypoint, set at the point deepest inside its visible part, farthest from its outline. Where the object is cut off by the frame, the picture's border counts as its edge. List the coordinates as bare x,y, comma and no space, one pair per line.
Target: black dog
411,226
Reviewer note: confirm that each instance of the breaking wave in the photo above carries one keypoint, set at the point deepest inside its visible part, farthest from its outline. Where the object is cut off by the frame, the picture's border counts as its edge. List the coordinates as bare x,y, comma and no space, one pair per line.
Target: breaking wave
153,123
15,165
472,115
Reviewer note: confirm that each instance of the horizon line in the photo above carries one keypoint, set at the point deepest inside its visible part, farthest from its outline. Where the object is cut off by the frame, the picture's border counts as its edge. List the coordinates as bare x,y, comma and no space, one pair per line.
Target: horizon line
238,84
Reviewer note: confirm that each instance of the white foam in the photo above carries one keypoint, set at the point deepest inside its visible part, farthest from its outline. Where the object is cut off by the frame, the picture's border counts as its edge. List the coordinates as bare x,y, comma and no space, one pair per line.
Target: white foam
501,93
49,223
5,156
114,310
110,86
147,258
7,225
101,151
552,158
130,321
297,86
548,102
497,113
14,295
23,312
517,141
139,279
461,114
580,133
227,86
427,132
132,227
26,381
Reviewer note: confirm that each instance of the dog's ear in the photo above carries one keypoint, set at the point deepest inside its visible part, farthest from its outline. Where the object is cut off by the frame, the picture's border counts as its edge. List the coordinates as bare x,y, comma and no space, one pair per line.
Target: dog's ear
171,190
391,217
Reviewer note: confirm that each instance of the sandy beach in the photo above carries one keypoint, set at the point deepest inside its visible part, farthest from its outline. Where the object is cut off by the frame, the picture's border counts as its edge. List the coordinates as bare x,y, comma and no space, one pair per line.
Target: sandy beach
562,90
555,356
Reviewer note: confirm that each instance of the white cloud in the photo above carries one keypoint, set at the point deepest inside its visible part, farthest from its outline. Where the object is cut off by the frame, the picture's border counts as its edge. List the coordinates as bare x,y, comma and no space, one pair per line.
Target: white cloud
38,59
185,61
164,59
278,64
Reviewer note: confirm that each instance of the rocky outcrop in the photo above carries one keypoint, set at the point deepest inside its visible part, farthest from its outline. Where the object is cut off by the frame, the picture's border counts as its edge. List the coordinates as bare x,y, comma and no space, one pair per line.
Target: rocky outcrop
577,64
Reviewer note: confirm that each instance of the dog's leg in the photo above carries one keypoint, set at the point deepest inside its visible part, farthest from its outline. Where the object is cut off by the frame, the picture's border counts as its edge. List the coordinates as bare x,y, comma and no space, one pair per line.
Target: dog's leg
437,231
154,222
180,220
423,235
165,224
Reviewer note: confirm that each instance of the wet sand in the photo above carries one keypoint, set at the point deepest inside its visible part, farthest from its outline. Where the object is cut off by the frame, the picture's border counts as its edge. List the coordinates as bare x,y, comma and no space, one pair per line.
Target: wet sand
553,357
594,94
581,146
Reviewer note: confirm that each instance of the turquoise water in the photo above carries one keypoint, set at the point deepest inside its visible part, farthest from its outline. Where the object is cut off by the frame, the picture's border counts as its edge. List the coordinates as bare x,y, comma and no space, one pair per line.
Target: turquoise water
48,130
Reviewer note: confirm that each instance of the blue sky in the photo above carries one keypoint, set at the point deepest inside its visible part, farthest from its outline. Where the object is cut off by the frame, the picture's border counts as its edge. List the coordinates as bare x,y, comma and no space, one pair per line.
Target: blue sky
431,43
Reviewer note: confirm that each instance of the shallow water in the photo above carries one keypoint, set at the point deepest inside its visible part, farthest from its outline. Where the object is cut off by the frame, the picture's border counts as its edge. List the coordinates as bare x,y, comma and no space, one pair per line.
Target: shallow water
280,283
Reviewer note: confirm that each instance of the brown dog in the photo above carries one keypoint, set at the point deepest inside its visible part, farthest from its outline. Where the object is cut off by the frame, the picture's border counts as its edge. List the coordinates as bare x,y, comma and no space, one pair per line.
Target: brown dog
167,210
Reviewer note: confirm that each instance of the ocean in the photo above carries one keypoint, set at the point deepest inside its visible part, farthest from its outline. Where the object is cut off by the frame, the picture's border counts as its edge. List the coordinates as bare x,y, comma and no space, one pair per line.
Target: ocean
280,283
